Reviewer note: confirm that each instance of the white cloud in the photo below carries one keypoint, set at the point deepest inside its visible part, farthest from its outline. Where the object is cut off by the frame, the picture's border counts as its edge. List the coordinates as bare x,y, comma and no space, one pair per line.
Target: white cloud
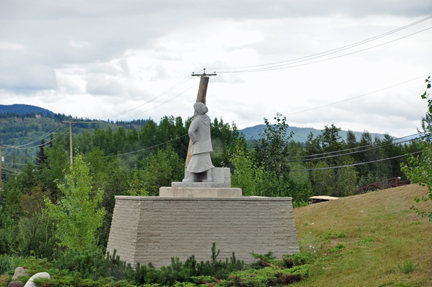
100,84
113,56
11,46
27,78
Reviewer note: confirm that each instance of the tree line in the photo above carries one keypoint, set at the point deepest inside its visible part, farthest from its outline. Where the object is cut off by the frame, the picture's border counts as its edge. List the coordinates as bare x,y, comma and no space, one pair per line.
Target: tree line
137,161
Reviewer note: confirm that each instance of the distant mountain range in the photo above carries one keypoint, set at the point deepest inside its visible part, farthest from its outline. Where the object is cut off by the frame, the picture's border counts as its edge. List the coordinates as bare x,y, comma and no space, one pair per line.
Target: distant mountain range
251,133
300,134
24,109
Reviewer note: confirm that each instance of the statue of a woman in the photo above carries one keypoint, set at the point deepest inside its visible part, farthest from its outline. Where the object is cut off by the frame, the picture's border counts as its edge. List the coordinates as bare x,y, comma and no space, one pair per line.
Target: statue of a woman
199,133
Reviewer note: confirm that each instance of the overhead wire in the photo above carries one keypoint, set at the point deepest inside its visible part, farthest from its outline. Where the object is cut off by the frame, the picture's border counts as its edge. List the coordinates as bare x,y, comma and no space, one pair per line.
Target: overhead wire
349,99
194,85
181,82
336,49
270,66
36,140
354,164
33,146
10,170
339,56
147,148
359,147
350,153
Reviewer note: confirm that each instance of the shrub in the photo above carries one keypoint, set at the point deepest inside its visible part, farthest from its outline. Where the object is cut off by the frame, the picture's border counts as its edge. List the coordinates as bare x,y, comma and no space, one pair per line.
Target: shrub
8,263
268,276
36,236
92,264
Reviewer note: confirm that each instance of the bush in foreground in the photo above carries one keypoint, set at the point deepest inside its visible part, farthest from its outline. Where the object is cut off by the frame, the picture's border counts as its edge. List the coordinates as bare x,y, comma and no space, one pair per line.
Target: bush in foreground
91,268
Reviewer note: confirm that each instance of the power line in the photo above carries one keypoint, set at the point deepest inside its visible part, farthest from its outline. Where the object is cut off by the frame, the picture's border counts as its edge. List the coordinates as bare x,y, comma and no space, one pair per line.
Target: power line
34,146
329,52
349,153
349,99
163,102
354,164
359,147
177,138
10,170
181,82
36,140
335,57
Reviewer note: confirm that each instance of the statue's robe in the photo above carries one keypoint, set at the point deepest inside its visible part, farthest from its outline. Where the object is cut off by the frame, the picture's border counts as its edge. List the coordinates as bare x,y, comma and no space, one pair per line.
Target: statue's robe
199,133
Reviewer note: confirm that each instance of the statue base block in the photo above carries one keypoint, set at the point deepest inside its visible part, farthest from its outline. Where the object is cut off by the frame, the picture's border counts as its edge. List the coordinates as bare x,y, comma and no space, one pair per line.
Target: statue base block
153,229
200,192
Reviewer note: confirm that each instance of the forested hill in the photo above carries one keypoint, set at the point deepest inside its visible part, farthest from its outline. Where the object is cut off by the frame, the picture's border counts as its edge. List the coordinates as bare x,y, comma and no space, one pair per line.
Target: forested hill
24,109
300,134
22,129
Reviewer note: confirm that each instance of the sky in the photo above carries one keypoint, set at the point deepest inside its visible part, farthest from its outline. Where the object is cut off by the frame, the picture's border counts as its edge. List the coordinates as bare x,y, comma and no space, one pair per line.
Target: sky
360,65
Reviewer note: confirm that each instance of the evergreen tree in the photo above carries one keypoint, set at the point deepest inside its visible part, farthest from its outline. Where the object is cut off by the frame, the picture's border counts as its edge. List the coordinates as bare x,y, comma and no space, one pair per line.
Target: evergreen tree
41,157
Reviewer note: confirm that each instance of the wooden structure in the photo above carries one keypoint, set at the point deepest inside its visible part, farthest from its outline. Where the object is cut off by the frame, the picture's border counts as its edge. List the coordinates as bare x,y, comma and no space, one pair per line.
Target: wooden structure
321,198
392,182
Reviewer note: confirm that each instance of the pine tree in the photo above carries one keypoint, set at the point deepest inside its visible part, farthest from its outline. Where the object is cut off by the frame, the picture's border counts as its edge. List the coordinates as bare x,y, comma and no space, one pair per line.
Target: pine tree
41,157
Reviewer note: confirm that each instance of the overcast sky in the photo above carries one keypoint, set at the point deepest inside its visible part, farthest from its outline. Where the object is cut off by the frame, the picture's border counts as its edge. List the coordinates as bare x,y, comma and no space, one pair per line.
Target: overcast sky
308,60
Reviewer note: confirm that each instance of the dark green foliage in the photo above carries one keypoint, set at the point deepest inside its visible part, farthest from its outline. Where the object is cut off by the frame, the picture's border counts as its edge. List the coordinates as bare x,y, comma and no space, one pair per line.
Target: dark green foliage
262,260
36,236
8,263
74,279
301,258
92,268
41,157
225,139
272,151
92,264
270,272
190,271
335,182
268,276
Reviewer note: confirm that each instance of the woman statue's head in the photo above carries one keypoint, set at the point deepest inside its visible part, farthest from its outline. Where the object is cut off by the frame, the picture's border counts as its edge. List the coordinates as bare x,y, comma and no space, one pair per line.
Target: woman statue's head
200,108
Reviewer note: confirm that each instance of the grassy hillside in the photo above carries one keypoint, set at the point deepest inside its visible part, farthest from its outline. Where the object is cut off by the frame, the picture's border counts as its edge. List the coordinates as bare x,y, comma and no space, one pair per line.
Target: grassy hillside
368,240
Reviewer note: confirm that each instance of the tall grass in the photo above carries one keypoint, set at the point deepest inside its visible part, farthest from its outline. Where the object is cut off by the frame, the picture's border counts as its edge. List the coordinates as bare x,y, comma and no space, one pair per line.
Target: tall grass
8,263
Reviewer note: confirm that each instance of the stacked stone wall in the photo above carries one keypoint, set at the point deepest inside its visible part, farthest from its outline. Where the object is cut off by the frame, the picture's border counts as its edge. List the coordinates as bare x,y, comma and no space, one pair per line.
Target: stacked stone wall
154,229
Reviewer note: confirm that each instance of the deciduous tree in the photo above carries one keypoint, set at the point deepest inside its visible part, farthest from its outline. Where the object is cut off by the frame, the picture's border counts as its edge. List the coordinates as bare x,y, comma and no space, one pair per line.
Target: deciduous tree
77,212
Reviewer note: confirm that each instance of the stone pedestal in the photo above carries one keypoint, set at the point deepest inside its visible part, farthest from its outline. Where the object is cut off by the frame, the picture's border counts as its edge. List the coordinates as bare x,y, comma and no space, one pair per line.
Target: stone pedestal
153,229
219,188
221,178
186,218
214,192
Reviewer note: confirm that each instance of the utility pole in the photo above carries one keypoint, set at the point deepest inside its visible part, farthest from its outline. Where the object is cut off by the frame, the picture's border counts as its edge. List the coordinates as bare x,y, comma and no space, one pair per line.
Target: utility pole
0,168
1,165
201,97
70,134
70,140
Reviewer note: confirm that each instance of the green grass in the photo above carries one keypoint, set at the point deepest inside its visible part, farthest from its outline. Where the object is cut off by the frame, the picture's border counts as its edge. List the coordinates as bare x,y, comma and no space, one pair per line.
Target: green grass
8,263
372,239
406,267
